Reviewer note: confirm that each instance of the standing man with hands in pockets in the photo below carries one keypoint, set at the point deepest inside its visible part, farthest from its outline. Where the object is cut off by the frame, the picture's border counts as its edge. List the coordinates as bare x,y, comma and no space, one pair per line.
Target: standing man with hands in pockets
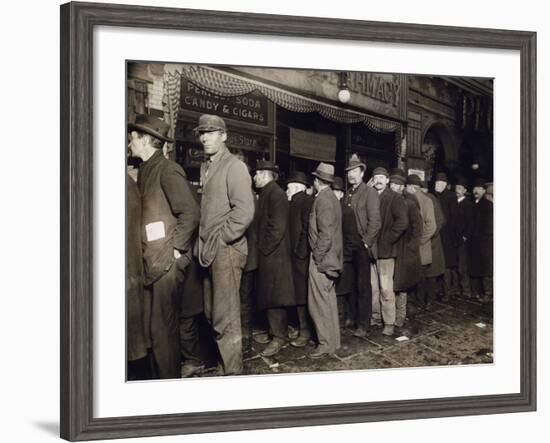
227,209
170,216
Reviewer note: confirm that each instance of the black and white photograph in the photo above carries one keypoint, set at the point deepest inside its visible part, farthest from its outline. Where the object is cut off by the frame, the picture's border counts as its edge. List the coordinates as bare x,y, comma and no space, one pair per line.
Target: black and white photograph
283,220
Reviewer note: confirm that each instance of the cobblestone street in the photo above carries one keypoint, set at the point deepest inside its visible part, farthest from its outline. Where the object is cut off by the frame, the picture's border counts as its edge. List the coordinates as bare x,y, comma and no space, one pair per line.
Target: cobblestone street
456,333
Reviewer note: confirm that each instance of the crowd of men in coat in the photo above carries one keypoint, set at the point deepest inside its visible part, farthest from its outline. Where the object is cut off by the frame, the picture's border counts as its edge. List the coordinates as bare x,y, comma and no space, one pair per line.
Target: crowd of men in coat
258,263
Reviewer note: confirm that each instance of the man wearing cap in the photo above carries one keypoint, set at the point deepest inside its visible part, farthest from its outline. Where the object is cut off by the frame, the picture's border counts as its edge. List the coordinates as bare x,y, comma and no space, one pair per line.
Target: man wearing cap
365,203
325,241
407,262
463,225
429,227
480,244
299,209
170,216
394,220
275,281
227,209
449,205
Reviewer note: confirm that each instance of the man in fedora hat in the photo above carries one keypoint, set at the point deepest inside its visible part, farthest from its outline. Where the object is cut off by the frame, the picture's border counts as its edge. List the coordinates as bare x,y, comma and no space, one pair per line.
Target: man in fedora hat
326,261
170,216
227,209
480,244
449,238
299,209
365,203
275,281
394,221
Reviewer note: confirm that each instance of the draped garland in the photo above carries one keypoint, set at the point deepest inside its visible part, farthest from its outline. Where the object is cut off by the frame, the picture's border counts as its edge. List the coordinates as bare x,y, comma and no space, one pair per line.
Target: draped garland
222,83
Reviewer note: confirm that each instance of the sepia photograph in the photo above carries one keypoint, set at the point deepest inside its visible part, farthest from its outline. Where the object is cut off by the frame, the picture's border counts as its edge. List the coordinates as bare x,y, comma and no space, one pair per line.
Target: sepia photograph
283,220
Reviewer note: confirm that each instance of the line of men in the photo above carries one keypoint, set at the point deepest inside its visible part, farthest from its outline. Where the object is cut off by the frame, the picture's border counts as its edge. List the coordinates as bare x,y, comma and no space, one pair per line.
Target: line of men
284,254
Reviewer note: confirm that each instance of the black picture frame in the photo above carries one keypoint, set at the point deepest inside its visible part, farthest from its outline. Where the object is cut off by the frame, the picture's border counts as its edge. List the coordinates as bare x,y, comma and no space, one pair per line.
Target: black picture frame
77,23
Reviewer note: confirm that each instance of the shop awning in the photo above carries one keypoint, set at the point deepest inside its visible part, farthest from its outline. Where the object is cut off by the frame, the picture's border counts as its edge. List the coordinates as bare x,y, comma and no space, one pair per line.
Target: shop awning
223,83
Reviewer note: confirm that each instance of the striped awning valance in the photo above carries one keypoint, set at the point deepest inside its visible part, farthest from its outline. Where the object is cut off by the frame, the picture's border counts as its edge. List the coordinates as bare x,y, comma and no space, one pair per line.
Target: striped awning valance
223,83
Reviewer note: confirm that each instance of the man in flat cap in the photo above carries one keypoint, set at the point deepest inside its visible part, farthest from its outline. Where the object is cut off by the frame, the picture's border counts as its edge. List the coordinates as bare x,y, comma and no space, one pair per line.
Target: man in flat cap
325,241
275,281
394,220
449,238
365,203
299,209
480,244
170,216
429,227
227,209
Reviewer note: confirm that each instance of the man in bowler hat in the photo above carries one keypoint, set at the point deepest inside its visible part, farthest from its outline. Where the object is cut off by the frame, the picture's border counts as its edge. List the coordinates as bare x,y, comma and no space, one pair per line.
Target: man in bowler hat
275,281
299,209
170,216
227,209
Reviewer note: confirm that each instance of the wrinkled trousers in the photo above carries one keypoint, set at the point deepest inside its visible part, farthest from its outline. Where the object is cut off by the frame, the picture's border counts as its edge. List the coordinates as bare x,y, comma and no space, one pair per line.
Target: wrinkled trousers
383,296
323,308
222,306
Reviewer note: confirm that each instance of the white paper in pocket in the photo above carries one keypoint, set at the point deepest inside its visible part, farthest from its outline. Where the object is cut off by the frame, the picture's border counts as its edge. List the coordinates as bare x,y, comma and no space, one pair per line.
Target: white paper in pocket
155,230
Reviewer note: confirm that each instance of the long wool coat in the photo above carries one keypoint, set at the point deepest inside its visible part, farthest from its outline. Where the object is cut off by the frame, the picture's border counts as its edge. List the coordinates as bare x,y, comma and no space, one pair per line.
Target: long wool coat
480,242
407,263
437,266
299,210
136,343
275,280
428,227
449,235
394,219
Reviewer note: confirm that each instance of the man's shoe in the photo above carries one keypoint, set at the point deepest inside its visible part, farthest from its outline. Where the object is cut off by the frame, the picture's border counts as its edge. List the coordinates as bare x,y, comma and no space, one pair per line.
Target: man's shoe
273,347
262,338
349,324
190,369
375,322
360,332
293,332
429,307
318,353
300,342
388,330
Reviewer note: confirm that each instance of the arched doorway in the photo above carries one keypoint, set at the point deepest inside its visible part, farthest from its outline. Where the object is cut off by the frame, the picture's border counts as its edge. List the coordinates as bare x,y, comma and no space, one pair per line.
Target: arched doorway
439,150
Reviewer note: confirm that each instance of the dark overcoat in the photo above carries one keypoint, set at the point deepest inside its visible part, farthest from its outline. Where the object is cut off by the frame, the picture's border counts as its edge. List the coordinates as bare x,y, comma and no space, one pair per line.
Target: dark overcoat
192,292
346,280
252,240
136,343
480,242
275,280
408,268
170,215
449,235
394,219
299,210
437,266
